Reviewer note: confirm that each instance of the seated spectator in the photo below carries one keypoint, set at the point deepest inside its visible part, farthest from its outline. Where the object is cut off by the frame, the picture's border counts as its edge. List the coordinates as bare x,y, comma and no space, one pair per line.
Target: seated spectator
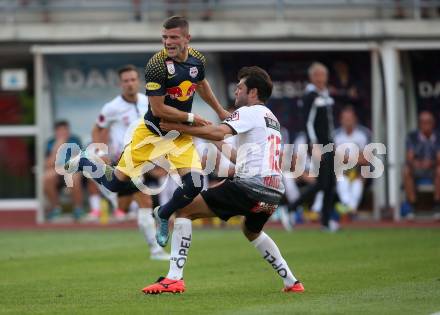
300,168
343,88
53,181
350,188
422,161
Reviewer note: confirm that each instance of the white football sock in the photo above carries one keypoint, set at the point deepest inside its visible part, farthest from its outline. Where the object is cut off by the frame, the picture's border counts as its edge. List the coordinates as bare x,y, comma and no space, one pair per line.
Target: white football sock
95,202
357,188
147,227
344,190
317,202
270,252
180,243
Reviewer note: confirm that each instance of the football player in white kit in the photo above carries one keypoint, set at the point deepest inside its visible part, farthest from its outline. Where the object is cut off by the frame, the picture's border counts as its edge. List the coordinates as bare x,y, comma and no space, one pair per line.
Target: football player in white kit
113,128
255,190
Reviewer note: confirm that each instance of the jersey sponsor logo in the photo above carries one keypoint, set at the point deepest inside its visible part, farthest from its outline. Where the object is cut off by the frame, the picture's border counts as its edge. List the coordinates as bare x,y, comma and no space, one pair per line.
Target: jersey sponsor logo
183,91
272,123
170,67
193,71
278,266
264,207
152,86
183,251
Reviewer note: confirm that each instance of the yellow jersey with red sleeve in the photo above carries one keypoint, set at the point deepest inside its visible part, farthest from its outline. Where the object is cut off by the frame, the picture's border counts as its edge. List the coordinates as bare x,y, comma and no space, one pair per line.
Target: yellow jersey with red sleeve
177,81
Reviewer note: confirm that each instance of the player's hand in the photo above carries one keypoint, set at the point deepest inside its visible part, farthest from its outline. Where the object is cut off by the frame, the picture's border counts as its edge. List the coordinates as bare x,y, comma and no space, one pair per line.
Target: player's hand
200,121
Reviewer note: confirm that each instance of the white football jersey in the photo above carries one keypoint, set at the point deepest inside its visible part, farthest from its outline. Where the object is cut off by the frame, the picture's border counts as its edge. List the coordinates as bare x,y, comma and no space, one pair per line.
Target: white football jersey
258,141
121,117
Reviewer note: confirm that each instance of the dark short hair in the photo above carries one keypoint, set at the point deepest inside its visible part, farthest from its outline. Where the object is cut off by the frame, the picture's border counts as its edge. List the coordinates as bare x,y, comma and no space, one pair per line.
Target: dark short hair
126,68
257,78
176,21
61,123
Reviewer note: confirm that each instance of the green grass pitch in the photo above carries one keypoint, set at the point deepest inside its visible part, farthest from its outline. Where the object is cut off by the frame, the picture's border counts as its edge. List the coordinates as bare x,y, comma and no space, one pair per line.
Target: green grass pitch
377,271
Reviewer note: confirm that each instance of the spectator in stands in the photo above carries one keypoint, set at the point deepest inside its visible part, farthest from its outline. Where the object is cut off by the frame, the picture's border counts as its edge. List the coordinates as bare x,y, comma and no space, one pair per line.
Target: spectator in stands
176,7
344,89
181,7
44,4
207,12
52,180
350,187
422,161
426,10
137,10
399,11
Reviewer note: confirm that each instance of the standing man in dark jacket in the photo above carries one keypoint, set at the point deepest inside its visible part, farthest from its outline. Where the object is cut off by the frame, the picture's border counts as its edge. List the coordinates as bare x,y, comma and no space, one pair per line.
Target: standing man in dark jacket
318,116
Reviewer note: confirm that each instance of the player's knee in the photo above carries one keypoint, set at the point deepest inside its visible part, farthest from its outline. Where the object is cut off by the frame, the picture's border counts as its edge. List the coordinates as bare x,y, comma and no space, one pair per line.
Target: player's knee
251,235
193,184
247,233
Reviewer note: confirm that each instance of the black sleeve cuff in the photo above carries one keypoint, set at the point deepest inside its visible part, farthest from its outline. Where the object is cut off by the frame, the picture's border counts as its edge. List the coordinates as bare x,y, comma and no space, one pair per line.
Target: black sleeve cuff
233,130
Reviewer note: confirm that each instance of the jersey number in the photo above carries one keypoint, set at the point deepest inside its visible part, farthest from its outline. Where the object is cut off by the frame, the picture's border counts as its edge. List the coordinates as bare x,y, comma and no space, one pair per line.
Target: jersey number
274,152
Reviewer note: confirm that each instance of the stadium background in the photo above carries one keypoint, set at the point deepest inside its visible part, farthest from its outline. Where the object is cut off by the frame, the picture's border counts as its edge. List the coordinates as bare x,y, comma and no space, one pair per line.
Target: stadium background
59,60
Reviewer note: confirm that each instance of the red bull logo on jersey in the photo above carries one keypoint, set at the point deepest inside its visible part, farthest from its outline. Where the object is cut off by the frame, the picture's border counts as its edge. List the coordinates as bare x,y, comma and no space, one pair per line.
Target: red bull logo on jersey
183,91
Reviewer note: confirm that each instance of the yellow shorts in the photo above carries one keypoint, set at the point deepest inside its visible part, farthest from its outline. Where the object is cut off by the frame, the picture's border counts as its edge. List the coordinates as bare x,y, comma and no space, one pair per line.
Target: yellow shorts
147,147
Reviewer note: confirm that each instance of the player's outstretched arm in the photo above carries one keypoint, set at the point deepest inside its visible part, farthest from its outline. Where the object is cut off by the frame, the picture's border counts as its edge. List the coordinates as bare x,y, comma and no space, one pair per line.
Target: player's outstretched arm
168,113
210,132
205,92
